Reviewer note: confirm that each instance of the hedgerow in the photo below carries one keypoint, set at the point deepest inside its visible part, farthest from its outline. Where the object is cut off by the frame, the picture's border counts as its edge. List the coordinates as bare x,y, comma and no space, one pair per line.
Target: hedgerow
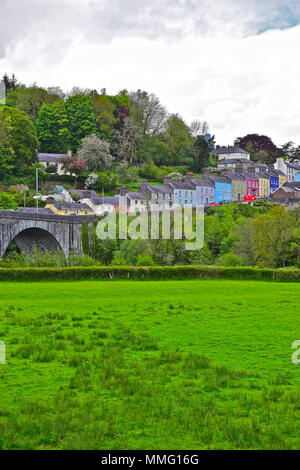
148,273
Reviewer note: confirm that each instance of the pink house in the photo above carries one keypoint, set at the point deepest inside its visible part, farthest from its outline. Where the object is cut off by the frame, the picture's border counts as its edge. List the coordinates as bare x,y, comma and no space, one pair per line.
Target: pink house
252,184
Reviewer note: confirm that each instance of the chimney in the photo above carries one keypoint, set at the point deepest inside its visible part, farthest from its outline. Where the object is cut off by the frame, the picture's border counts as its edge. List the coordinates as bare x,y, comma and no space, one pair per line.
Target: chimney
189,176
69,153
144,184
123,190
167,179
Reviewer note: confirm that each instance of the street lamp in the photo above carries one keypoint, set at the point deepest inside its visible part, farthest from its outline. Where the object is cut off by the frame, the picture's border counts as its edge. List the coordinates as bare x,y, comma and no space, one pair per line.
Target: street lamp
37,187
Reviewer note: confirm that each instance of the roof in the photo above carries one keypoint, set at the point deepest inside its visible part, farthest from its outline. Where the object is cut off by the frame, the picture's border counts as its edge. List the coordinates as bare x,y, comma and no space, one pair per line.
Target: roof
295,166
227,150
202,182
83,193
136,195
292,185
236,176
50,157
70,206
230,161
159,189
219,179
182,185
99,201
248,175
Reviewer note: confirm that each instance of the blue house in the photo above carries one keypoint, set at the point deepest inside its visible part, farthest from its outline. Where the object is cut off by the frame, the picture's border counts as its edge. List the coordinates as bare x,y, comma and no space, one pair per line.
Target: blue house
274,181
184,193
223,189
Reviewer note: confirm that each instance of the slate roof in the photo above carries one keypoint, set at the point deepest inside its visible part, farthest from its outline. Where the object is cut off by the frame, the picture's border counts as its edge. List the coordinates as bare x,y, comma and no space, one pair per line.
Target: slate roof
202,182
182,185
99,201
236,176
70,206
230,161
295,166
159,189
227,150
50,157
83,193
136,195
219,179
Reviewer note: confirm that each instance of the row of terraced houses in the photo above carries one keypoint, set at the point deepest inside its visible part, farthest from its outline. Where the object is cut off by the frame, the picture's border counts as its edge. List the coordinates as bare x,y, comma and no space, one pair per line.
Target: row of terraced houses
234,177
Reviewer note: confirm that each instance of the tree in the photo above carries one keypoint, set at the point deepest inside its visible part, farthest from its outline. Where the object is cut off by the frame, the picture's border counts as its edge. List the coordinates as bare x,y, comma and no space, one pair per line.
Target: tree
202,148
259,142
10,82
29,99
74,165
52,130
8,201
272,234
104,110
96,152
147,112
179,140
81,119
199,128
19,142
127,141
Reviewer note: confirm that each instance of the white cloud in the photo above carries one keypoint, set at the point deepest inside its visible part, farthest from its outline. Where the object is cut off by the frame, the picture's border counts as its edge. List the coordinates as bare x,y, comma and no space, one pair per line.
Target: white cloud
203,59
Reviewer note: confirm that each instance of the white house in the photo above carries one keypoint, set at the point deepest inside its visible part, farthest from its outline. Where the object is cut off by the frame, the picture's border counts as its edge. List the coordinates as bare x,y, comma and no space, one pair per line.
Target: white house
228,153
291,170
52,160
102,205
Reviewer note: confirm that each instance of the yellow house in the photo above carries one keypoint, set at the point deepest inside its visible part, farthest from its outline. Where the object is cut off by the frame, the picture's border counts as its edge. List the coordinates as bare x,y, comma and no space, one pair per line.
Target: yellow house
282,177
72,208
264,185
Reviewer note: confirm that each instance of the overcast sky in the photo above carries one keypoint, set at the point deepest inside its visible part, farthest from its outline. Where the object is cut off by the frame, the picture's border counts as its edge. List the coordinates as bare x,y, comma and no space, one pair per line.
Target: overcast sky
234,63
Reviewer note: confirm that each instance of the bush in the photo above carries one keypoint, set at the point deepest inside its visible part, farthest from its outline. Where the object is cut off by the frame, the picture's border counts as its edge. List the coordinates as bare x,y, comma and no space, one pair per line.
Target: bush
145,260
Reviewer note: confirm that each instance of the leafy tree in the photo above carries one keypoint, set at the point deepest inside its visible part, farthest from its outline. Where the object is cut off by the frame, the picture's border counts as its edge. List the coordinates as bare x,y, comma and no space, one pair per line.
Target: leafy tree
147,112
202,151
81,119
272,234
8,201
48,129
96,152
19,142
104,110
259,142
29,100
179,140
74,165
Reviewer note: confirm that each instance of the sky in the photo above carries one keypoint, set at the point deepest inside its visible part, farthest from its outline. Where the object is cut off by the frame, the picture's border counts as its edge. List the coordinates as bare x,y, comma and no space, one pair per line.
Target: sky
233,63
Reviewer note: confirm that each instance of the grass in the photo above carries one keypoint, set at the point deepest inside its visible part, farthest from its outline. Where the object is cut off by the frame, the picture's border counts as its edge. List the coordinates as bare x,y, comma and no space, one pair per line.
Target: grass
158,365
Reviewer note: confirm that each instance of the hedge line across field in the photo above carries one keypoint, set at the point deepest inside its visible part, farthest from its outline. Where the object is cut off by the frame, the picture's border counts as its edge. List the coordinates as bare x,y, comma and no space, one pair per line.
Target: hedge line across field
148,273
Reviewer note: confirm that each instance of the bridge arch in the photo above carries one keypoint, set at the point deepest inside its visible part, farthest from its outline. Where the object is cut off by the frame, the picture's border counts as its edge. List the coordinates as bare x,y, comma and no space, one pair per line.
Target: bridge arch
26,234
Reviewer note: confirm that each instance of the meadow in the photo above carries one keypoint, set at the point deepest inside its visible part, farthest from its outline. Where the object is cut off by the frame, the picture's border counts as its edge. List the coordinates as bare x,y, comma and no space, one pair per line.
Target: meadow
197,364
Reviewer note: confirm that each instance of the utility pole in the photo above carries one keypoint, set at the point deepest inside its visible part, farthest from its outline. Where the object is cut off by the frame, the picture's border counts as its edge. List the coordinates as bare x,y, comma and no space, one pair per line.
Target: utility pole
37,187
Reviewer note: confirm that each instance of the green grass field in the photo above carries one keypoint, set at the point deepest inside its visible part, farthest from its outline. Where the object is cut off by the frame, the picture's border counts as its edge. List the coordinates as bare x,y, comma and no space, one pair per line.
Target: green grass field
149,365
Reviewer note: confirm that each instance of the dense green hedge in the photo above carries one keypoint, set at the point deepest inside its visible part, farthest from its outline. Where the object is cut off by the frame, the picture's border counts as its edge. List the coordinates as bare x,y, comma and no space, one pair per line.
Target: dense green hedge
149,273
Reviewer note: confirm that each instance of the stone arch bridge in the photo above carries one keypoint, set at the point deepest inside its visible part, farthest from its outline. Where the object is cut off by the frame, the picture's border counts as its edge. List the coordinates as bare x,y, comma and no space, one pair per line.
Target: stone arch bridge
46,231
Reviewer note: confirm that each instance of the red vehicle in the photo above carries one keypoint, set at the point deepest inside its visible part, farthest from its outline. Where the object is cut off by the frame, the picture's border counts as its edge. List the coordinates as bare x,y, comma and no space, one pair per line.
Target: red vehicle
249,197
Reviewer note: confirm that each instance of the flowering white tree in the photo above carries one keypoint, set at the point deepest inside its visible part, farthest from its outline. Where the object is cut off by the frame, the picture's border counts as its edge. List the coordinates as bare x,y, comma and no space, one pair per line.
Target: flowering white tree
91,181
96,152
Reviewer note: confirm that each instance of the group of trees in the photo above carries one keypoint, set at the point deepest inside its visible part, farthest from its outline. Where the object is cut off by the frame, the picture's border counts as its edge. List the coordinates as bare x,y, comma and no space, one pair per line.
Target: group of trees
109,131
235,235
262,149
126,128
